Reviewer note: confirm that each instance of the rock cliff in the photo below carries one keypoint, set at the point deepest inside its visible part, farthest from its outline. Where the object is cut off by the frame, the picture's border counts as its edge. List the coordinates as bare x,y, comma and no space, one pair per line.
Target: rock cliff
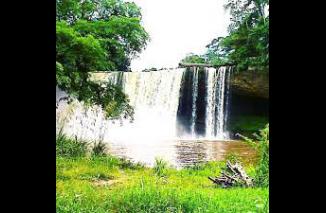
253,84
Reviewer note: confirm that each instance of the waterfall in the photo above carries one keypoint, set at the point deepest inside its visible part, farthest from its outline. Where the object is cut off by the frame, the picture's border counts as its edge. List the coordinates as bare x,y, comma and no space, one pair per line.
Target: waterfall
155,98
227,100
194,101
215,98
210,102
158,98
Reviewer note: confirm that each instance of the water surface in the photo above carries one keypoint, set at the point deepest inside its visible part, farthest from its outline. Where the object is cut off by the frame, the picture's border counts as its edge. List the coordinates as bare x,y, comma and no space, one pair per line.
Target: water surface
181,153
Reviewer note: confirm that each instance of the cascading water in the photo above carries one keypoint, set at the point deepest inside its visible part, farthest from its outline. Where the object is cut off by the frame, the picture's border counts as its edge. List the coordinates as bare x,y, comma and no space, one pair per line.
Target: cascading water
156,97
194,100
227,101
211,102
216,107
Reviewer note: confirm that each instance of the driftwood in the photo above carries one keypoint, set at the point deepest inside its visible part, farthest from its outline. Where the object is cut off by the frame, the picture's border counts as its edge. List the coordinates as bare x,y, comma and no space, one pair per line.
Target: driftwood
234,175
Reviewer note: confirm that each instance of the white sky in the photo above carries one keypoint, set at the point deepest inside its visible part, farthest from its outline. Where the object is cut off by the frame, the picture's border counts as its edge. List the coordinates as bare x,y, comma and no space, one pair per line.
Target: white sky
179,27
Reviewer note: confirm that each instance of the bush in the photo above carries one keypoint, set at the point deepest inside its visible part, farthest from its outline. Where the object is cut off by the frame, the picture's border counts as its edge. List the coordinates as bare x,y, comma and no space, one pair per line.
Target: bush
99,149
262,173
262,146
68,147
233,157
128,164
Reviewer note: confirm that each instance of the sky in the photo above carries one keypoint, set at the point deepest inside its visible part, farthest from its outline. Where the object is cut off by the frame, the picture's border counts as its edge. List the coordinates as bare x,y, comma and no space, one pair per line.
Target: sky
178,27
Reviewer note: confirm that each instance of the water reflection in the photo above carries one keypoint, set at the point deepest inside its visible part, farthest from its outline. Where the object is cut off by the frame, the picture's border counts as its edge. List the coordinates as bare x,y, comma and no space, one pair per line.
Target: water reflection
190,152
181,153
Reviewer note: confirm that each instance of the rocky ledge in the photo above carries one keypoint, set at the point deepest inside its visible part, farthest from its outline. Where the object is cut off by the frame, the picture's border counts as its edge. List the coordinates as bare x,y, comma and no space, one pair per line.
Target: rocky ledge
254,84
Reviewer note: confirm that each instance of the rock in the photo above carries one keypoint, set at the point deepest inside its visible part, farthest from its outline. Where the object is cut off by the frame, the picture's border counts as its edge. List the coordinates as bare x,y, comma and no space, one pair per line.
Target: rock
251,83
104,183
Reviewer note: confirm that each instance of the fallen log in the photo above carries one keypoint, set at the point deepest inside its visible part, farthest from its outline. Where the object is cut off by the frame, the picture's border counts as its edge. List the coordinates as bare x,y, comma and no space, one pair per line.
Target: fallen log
233,175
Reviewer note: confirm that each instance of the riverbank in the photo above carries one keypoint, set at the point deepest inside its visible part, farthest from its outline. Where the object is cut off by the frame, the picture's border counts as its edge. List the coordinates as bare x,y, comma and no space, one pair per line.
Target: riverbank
109,184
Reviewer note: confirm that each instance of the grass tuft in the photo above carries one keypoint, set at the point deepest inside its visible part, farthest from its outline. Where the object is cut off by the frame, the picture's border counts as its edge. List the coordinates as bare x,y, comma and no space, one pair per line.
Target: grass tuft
99,149
68,147
160,167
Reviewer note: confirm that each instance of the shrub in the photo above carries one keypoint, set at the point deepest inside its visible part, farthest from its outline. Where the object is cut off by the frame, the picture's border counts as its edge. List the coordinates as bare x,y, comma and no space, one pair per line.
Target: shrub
99,149
262,146
262,175
233,157
68,147
128,164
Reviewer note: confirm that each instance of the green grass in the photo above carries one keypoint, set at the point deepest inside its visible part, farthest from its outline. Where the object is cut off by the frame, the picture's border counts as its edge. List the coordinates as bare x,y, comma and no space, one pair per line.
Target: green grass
89,180
139,189
69,147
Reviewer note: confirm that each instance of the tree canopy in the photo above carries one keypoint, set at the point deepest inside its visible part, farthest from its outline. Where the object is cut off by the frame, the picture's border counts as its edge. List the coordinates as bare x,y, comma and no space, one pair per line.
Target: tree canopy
94,10
247,44
193,58
96,35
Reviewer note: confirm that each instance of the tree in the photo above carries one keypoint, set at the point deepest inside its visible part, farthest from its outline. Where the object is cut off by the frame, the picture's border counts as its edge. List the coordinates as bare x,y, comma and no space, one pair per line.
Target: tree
94,10
121,37
216,53
76,56
96,35
193,58
248,40
240,9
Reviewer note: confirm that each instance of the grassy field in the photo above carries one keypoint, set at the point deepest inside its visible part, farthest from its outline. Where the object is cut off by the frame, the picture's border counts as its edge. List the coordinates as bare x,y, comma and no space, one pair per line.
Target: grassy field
107,184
